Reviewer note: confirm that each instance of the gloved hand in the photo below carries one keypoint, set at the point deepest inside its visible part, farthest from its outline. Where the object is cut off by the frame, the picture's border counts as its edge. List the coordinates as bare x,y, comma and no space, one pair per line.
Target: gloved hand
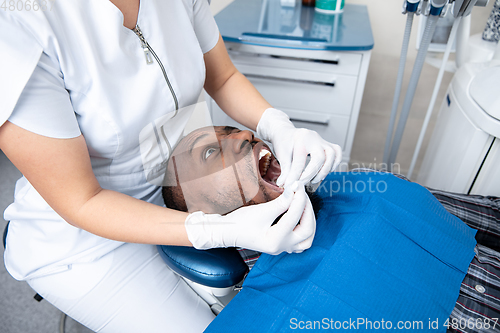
251,227
292,145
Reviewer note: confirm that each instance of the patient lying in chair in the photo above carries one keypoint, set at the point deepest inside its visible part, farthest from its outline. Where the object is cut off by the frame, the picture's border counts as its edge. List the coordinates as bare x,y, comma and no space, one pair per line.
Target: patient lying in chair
386,254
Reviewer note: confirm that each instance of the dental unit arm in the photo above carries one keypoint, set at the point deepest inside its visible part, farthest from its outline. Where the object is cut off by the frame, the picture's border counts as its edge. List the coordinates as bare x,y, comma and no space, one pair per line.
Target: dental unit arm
434,9
464,7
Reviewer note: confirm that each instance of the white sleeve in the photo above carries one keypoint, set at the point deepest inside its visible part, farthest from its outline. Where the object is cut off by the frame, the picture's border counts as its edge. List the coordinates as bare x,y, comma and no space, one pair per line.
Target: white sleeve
19,54
205,27
44,106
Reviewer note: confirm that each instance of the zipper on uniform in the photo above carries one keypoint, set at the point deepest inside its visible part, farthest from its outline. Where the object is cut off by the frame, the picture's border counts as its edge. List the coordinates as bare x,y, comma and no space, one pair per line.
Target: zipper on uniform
148,52
145,45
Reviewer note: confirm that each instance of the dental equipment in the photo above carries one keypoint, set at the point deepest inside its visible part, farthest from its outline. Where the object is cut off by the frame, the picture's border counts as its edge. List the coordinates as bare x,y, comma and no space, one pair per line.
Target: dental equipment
410,7
463,152
434,94
462,21
434,9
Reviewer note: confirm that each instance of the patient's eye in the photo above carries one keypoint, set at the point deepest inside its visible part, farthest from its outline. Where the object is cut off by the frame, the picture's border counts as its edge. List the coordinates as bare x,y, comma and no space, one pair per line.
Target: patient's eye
208,152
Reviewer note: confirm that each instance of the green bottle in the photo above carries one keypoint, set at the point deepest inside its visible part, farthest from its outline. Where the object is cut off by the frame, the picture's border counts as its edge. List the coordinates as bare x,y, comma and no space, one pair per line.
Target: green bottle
329,6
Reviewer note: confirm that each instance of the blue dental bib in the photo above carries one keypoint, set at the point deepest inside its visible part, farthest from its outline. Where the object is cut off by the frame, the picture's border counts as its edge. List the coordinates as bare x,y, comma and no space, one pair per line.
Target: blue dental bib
386,254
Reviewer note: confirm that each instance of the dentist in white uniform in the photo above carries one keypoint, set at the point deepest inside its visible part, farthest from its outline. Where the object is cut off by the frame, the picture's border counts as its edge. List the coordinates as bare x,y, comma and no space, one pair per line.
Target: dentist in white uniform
79,80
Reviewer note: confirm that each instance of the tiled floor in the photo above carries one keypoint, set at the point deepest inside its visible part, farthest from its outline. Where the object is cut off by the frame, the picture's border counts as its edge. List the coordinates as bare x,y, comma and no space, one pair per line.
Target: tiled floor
20,313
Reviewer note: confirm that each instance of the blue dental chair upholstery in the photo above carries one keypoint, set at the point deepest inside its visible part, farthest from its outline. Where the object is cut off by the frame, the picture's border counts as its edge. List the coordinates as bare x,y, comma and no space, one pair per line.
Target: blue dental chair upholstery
217,268
4,238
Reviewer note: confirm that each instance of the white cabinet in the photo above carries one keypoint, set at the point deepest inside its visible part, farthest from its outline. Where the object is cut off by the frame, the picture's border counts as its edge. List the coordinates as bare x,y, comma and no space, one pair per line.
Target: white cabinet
320,90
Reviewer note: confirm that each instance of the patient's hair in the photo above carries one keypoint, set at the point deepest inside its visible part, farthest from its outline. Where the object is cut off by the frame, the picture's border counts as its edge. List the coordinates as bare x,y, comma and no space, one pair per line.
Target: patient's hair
174,199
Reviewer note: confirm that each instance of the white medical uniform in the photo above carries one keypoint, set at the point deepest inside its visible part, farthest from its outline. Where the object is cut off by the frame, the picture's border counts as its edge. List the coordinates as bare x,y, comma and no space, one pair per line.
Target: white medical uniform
74,68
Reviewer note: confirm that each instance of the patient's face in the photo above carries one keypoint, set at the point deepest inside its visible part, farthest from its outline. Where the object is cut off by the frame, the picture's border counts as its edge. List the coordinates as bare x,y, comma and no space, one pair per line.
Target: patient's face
219,169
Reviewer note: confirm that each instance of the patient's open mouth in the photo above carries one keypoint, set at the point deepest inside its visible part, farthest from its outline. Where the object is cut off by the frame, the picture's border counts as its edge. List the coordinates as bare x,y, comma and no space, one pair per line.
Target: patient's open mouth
268,166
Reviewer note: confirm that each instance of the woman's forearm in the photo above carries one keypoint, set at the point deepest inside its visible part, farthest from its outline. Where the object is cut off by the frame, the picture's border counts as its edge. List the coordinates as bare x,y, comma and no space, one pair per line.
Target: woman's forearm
116,216
61,172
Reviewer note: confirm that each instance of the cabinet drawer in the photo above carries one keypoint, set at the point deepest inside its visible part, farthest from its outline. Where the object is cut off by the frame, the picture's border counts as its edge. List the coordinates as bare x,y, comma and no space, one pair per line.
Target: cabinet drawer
306,60
323,94
332,128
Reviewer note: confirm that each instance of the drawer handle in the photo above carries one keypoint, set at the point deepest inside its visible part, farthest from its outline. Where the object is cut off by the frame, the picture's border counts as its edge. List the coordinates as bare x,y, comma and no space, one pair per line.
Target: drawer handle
254,35
269,77
303,116
323,61
319,122
234,54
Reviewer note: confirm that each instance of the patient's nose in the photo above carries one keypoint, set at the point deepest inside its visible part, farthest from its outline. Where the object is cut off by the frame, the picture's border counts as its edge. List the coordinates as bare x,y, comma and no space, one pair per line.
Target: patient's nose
238,140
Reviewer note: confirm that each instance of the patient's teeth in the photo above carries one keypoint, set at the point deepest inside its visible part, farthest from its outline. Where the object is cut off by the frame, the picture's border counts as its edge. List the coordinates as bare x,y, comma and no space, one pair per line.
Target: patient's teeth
263,153
266,154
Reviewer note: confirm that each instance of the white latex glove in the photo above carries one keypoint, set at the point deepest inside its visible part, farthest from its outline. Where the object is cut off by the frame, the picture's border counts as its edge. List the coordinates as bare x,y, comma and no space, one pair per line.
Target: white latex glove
251,227
292,145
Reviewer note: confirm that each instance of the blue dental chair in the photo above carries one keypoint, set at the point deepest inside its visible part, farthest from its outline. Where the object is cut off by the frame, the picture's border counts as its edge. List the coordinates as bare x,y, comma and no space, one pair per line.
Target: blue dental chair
213,274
